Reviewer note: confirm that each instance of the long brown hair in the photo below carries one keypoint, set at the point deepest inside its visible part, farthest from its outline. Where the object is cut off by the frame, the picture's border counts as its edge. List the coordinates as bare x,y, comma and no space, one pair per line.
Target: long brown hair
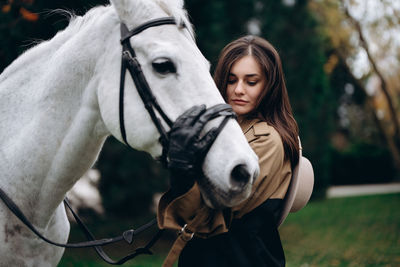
273,105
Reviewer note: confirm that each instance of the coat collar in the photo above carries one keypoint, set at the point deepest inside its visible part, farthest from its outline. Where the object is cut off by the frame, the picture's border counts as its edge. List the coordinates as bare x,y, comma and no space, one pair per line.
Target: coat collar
246,124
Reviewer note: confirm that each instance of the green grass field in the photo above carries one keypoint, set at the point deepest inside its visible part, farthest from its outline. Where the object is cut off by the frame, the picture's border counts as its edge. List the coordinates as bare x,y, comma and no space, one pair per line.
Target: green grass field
353,231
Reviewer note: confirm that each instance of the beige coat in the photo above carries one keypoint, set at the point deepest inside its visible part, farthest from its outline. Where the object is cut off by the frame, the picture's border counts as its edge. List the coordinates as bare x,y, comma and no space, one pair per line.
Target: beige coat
190,209
275,172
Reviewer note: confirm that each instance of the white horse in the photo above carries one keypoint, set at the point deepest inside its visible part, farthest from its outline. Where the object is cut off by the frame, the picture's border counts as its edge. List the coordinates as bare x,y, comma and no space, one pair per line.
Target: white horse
59,102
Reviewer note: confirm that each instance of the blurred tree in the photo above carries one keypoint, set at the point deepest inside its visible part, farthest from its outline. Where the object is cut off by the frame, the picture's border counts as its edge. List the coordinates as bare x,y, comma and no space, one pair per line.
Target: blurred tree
14,16
219,22
364,36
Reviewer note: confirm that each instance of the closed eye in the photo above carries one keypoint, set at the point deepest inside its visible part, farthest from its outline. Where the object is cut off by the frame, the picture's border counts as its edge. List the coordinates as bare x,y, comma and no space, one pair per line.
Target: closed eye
163,66
252,83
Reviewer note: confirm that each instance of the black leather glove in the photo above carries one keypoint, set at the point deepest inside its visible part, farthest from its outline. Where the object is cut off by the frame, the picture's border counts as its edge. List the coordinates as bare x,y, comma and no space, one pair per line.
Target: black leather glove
187,150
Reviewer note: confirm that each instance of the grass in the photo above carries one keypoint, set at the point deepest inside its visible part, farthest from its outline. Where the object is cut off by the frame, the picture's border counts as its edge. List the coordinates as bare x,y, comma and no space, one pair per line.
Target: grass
146,261
354,231
88,258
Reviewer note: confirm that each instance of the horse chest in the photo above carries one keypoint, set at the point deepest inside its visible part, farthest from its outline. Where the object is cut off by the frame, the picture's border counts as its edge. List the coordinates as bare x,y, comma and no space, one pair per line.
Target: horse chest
19,247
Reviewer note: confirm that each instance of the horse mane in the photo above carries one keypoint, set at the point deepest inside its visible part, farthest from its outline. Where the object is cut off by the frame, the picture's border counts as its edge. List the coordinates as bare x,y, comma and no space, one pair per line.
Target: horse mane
77,22
173,8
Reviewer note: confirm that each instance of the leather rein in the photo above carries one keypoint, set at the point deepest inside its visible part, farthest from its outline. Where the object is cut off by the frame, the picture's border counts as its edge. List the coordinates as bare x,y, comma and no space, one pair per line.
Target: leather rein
129,62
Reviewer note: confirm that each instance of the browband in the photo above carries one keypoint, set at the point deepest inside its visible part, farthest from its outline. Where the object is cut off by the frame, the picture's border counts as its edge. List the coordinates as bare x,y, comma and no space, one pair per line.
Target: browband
126,34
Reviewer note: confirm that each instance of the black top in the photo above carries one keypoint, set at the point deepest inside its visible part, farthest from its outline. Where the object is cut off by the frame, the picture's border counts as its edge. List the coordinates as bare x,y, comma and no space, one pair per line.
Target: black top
252,241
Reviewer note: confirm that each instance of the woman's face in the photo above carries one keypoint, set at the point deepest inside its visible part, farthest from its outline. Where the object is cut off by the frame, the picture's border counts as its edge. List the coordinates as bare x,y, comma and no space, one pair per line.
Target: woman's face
246,81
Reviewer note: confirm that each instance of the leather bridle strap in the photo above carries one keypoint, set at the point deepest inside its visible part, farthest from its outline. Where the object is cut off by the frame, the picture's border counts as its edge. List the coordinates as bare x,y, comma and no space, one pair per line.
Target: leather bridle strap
126,34
130,62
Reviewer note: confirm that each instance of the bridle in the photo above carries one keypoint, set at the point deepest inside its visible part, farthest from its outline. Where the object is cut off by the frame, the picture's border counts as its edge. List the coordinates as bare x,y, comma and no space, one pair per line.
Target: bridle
130,63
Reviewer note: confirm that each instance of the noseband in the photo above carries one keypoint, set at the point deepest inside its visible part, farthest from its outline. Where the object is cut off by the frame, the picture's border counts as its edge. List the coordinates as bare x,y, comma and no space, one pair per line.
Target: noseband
131,63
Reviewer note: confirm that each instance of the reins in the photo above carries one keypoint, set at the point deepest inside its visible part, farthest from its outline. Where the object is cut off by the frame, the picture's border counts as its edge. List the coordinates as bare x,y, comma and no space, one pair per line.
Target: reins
127,236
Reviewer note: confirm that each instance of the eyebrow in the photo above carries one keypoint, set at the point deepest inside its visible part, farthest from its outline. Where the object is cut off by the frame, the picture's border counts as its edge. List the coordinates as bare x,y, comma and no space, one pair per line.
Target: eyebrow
247,75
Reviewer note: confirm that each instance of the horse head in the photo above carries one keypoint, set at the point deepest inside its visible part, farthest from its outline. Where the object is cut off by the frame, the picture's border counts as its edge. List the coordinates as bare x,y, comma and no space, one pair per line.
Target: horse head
179,78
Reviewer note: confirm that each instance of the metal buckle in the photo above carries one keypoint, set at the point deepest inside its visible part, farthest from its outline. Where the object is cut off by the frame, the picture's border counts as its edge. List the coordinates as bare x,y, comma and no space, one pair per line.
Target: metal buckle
127,54
185,234
132,60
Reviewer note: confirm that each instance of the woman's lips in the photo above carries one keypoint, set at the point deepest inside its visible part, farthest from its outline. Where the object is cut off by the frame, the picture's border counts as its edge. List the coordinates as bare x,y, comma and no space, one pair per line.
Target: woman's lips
239,102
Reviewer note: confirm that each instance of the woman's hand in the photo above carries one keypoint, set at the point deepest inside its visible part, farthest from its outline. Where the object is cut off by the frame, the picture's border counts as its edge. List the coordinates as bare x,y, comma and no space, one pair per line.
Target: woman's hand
187,150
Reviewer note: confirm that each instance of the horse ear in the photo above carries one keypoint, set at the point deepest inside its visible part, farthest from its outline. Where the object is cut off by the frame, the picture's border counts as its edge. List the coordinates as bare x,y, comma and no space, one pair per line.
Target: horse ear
176,3
123,8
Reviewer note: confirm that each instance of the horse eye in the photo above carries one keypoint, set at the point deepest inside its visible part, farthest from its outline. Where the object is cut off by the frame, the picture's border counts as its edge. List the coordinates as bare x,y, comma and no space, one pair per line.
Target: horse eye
163,65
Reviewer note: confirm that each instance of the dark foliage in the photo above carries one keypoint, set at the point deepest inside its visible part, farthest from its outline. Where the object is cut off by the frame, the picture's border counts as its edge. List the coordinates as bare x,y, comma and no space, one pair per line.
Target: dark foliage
129,179
362,163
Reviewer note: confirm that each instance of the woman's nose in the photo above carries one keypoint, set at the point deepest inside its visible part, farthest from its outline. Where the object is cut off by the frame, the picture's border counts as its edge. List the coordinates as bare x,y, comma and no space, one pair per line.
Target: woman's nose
239,90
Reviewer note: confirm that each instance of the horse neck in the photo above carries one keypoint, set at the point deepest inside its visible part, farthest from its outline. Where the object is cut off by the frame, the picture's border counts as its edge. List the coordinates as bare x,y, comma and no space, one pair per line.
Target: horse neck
51,131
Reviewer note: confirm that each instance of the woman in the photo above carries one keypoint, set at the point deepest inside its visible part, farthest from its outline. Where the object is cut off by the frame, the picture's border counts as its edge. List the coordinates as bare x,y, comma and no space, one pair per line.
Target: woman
250,77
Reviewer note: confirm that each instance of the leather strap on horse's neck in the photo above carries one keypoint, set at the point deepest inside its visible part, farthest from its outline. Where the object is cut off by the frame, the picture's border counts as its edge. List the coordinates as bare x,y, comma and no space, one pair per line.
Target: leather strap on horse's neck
127,236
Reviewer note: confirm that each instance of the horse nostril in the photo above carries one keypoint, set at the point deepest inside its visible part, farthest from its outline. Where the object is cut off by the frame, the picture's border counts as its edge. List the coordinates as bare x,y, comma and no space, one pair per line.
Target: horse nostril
240,176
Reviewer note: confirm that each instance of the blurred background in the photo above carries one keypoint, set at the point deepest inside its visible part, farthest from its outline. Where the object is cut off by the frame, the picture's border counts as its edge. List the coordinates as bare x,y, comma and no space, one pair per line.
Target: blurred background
342,64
